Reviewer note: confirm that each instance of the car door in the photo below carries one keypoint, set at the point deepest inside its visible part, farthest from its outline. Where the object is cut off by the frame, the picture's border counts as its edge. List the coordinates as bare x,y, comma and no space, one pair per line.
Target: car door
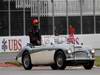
43,56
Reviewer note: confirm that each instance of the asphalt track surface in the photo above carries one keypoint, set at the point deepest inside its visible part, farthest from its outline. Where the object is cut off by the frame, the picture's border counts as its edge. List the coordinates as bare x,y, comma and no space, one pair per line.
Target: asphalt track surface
97,53
48,71
12,70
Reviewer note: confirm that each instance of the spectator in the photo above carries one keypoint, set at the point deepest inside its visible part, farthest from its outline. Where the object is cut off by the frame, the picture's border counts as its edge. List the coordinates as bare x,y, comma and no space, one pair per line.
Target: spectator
71,37
72,30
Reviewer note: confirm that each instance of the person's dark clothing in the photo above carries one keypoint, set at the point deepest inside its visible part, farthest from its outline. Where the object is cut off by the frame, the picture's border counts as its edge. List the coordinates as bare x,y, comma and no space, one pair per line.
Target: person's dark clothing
35,38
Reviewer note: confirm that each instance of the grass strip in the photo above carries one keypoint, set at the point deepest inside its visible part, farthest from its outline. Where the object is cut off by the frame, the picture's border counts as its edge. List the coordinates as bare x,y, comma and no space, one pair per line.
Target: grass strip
97,61
14,63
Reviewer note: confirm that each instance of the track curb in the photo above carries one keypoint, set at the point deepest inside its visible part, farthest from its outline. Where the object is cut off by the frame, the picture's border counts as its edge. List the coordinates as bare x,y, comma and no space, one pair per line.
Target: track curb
7,65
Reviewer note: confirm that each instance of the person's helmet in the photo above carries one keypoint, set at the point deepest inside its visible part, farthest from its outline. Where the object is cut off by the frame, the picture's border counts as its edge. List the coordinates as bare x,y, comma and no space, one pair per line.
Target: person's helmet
35,21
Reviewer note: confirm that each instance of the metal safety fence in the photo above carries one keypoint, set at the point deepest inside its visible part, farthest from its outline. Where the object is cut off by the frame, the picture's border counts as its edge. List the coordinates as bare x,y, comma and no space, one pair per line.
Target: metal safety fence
55,16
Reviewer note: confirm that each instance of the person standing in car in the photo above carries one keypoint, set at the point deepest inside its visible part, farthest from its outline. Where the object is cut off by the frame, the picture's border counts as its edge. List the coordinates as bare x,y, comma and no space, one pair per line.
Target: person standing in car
35,37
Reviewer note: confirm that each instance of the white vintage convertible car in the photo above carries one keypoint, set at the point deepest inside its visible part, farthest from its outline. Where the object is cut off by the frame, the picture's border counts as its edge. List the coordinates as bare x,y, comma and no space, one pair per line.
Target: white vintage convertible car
58,56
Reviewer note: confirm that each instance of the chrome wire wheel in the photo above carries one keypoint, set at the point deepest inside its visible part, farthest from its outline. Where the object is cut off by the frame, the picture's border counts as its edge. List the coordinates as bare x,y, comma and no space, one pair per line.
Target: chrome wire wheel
89,65
26,61
59,61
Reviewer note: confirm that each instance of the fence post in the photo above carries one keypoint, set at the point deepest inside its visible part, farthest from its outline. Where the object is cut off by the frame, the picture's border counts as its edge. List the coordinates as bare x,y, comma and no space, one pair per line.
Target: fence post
67,22
24,17
9,15
53,22
94,17
38,2
81,22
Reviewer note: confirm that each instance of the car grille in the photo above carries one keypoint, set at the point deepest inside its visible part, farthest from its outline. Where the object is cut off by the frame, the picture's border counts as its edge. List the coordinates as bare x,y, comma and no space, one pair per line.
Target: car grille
81,55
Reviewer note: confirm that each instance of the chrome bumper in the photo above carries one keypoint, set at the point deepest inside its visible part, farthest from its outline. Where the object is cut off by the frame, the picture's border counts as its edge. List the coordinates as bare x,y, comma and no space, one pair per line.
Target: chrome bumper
67,59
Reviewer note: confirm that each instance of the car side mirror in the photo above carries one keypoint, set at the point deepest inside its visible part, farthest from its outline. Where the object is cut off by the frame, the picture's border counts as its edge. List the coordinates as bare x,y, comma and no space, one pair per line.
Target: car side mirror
51,43
29,44
81,43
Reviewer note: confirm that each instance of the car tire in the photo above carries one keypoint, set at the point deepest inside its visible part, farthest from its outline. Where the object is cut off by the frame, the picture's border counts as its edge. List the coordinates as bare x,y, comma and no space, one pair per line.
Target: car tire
26,61
53,66
59,61
89,65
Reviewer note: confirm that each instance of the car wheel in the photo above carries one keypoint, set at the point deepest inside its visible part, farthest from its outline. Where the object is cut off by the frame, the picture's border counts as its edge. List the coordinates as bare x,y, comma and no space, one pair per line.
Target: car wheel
54,67
89,65
59,61
26,61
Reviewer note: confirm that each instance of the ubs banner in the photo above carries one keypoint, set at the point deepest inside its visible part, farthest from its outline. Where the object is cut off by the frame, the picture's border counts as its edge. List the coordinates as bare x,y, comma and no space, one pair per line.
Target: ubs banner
13,43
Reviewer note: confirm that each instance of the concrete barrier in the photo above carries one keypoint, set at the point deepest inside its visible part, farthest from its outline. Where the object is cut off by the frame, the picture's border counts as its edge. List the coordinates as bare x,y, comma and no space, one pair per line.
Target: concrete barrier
91,40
